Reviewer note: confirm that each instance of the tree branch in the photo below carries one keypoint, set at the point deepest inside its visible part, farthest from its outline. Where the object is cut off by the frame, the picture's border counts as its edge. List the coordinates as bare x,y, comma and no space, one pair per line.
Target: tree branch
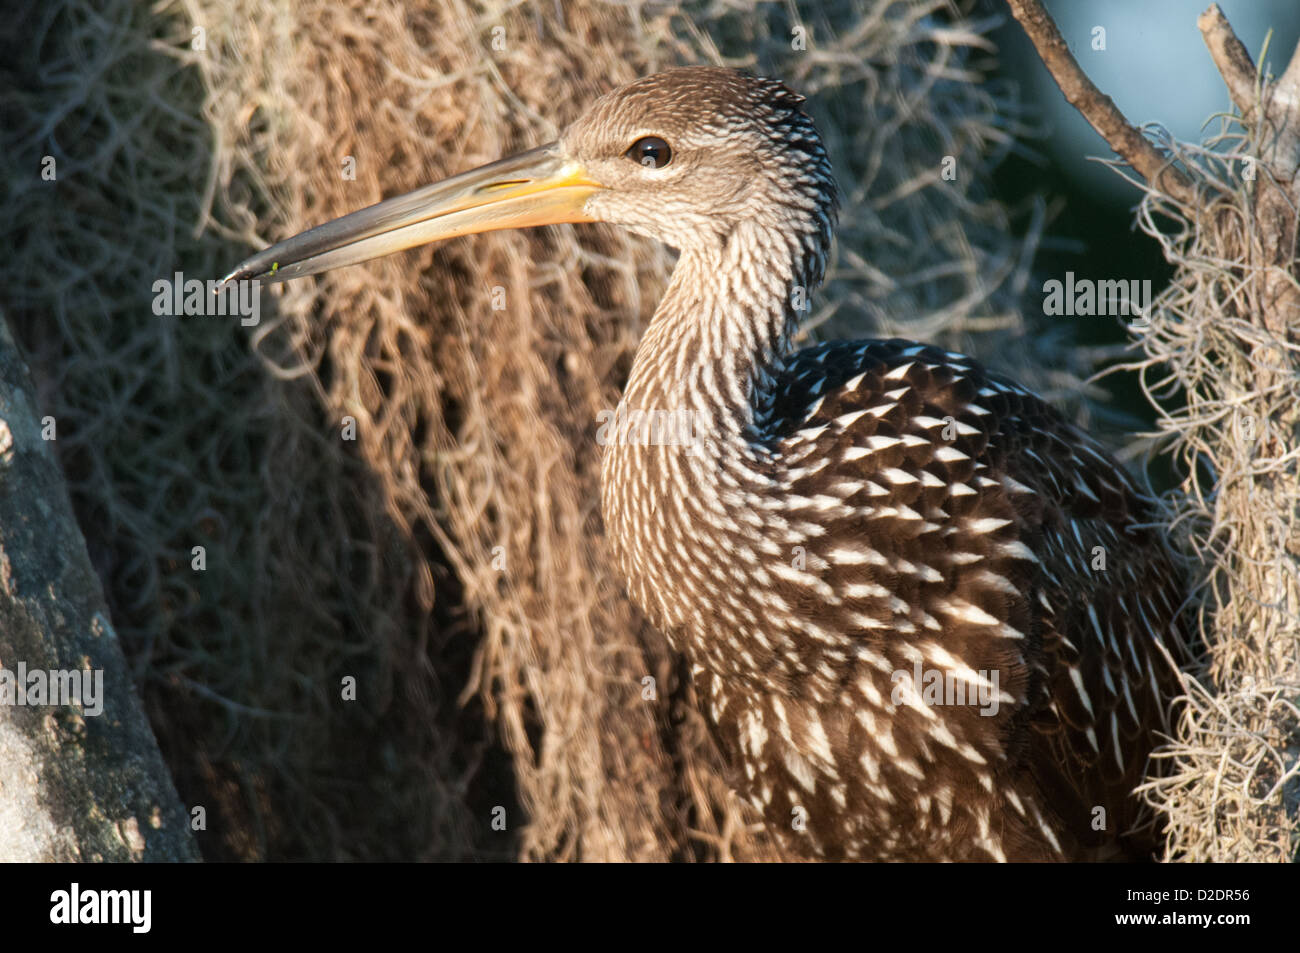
1230,57
1096,107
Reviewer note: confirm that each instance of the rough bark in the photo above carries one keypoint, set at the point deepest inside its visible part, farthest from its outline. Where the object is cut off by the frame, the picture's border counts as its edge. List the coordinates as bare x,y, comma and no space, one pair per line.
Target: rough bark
73,785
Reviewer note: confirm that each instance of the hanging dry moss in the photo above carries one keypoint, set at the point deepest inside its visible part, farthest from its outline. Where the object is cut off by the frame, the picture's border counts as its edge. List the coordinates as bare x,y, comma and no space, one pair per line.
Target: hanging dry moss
1222,361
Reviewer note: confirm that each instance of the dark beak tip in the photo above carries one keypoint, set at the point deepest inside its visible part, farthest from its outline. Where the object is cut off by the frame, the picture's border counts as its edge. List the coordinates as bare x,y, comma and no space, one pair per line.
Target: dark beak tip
246,270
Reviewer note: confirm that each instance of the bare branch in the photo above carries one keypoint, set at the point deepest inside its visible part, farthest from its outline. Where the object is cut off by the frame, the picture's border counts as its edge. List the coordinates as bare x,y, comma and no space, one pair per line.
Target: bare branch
1095,106
1230,57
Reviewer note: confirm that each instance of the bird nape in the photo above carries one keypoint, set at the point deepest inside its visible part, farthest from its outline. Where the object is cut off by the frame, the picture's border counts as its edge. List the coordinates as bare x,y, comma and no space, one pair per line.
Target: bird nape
923,612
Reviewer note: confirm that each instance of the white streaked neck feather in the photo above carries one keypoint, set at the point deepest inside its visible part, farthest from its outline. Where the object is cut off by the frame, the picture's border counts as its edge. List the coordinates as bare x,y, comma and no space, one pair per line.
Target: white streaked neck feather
721,331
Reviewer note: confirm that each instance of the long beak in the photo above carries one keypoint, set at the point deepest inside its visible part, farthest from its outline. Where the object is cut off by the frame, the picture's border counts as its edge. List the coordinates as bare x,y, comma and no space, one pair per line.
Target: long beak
538,187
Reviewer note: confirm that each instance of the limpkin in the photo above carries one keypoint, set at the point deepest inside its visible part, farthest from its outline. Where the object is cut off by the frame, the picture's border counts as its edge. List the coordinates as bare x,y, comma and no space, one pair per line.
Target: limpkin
922,611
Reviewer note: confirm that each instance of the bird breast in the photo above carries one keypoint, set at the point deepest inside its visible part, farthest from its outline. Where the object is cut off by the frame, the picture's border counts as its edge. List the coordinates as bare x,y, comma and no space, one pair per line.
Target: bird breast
864,578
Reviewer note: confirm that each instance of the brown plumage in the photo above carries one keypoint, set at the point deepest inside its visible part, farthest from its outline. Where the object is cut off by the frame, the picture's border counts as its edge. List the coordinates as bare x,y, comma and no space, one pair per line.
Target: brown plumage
920,608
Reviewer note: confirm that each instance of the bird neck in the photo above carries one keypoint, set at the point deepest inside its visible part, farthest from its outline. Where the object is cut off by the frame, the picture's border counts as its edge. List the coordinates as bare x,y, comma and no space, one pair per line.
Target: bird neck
722,331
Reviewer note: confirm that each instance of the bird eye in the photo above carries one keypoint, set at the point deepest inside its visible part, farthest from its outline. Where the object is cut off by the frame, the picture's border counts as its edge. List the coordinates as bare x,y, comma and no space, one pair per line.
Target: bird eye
651,152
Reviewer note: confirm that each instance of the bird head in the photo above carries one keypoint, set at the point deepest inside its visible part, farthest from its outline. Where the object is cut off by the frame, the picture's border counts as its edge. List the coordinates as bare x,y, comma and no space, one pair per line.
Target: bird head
688,156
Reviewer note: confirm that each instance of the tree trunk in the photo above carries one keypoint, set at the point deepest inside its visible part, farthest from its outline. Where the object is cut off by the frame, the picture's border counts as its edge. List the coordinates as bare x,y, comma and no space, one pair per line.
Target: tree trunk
74,784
